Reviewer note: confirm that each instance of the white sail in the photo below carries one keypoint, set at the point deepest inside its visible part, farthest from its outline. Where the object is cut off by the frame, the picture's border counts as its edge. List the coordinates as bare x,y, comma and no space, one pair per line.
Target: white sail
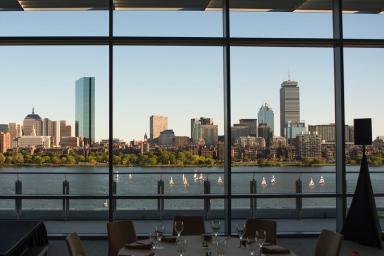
201,177
273,179
311,183
321,181
105,203
171,182
219,180
195,177
130,176
264,182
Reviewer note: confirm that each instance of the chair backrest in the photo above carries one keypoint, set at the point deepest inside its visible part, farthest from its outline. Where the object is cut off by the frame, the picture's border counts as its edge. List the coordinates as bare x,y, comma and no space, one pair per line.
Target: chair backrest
120,233
193,225
256,224
328,244
74,245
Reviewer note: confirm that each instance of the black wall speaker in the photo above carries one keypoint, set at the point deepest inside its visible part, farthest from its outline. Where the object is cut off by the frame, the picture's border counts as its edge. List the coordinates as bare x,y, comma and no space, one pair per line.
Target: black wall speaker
363,131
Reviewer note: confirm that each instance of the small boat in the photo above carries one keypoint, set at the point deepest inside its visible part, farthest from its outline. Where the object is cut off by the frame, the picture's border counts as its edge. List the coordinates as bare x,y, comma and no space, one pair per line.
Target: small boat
311,183
117,176
171,182
130,176
201,177
273,179
105,203
263,182
321,181
219,180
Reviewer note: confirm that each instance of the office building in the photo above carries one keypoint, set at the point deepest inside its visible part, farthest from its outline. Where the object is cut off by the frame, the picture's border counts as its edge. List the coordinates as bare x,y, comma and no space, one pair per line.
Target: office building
293,129
209,134
65,130
32,123
85,109
326,132
266,116
52,129
71,142
5,141
308,146
265,132
15,130
166,137
279,142
252,126
181,141
198,135
157,124
34,141
239,130
4,128
289,104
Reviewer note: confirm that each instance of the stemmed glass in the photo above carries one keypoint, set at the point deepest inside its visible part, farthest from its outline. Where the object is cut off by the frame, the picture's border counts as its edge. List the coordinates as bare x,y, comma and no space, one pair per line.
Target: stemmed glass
215,225
261,236
159,231
181,245
251,244
220,246
240,232
179,227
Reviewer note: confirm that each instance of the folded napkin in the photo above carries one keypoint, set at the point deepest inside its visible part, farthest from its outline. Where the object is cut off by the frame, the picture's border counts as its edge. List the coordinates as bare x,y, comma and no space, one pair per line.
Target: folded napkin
169,239
274,249
139,245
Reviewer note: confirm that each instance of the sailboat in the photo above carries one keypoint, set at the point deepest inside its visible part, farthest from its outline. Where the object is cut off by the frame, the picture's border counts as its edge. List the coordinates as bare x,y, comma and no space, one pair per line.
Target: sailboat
321,181
105,203
311,183
171,182
185,181
273,179
263,182
201,177
130,176
117,176
219,180
195,177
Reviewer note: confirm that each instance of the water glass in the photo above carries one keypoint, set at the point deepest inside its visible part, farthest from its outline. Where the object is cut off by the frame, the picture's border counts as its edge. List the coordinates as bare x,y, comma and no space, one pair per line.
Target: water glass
261,236
181,245
179,227
251,244
159,231
215,225
220,247
240,232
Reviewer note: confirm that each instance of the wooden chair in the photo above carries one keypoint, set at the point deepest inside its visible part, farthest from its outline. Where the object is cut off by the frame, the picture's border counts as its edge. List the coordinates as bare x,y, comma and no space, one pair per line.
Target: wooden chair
193,225
120,233
328,244
74,245
268,225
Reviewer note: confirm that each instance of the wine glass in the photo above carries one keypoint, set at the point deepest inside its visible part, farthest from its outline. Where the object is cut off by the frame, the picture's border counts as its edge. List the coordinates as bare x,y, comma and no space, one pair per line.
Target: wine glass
261,236
215,225
159,231
181,245
251,244
220,247
179,227
153,239
240,232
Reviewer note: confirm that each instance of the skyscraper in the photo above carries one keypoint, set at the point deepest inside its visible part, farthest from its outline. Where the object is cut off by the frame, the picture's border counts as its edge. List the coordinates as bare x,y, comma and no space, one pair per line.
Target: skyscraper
266,116
252,126
85,109
33,123
5,141
203,130
157,124
289,104
15,130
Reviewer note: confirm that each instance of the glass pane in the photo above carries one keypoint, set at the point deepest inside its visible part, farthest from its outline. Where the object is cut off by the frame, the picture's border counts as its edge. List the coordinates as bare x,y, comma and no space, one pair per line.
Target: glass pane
169,18
285,19
281,101
161,144
54,23
363,20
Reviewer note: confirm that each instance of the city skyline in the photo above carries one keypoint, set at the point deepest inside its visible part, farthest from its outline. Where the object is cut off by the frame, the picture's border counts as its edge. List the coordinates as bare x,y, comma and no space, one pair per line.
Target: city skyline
145,75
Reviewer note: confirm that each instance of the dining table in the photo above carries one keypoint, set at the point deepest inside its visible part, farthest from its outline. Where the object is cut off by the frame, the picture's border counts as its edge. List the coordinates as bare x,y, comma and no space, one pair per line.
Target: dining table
194,246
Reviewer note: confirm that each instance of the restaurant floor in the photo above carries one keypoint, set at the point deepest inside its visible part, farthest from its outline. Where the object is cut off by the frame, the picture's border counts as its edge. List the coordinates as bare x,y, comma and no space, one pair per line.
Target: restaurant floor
301,246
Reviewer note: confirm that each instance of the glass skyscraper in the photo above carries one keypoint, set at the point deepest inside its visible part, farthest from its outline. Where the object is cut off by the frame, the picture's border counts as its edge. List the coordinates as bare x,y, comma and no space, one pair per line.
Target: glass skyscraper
85,109
266,116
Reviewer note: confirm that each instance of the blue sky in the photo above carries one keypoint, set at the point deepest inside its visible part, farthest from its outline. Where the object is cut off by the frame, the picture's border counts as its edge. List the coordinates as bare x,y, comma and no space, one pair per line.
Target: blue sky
184,82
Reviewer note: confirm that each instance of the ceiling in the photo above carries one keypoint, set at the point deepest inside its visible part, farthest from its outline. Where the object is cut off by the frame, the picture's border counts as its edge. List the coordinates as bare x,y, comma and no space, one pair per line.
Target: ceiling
356,6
